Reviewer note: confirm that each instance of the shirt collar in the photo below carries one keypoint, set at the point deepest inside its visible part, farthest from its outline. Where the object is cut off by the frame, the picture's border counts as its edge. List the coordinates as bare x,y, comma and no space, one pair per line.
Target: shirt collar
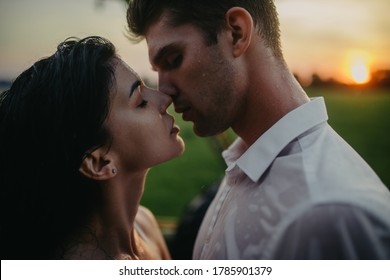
256,159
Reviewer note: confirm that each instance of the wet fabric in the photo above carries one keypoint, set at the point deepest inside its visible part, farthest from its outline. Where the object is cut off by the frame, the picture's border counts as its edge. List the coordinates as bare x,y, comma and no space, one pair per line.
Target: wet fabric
299,192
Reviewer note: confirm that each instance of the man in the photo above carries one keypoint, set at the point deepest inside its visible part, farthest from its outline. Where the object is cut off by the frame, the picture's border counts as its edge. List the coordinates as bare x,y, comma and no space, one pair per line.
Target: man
293,188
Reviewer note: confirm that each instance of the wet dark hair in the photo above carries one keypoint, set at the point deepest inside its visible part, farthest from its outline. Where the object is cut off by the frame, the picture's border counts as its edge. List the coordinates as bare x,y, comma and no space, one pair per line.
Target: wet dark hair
50,117
207,15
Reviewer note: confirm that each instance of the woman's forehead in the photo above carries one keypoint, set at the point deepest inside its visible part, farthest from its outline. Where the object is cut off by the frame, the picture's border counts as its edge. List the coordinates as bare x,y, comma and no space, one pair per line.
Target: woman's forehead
122,65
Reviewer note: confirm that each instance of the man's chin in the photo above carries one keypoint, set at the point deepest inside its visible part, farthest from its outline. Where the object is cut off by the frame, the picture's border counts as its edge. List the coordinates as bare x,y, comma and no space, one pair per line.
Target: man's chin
206,130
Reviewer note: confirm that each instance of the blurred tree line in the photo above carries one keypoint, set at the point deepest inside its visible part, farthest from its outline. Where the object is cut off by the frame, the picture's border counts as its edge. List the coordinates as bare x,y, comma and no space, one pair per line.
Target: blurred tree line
379,79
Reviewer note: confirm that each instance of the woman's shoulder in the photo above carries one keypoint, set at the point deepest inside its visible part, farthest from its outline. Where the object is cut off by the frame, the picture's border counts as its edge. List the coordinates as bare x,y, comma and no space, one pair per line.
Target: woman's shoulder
144,214
150,231
146,220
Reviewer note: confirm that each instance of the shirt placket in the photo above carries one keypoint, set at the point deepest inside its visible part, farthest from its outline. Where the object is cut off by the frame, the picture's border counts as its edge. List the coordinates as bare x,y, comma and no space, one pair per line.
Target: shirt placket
230,178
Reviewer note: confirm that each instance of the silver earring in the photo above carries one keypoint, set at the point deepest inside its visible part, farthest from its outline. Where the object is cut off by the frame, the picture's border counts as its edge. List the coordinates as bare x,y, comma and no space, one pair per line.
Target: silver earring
114,171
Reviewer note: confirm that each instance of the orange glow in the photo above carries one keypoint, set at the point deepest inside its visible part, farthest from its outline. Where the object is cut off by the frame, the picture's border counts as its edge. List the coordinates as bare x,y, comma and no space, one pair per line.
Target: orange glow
357,66
360,72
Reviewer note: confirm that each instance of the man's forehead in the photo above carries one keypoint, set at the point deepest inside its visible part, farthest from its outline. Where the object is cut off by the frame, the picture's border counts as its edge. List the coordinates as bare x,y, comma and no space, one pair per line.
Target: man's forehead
160,35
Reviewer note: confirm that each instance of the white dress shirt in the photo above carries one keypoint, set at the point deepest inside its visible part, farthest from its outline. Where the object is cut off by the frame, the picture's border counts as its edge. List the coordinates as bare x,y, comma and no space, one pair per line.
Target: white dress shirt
299,192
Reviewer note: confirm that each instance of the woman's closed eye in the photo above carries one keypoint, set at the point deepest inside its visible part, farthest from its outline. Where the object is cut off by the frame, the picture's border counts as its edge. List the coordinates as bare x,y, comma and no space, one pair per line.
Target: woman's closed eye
142,104
136,93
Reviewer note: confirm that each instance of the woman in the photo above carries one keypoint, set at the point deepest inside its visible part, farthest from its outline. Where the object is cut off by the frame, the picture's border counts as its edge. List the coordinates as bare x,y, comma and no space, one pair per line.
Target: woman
79,131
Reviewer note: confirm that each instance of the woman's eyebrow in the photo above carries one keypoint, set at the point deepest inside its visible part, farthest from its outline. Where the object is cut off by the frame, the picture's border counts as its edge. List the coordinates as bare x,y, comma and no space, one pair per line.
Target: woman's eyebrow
136,84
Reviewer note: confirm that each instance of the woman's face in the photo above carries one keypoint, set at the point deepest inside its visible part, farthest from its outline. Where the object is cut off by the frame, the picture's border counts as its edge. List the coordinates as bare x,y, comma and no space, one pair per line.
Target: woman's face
143,133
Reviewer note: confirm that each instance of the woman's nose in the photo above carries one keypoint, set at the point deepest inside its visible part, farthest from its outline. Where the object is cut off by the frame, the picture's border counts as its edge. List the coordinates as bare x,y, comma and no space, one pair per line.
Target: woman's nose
161,99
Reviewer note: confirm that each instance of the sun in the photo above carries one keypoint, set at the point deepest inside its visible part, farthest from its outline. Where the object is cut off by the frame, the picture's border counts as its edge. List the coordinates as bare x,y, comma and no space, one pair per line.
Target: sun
359,71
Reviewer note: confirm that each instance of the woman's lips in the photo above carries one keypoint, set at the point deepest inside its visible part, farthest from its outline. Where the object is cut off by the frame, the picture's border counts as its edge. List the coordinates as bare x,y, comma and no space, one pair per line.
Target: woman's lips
175,129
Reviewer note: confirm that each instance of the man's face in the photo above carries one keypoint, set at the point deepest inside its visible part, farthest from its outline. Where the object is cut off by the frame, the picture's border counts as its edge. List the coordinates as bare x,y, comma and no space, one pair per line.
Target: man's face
200,78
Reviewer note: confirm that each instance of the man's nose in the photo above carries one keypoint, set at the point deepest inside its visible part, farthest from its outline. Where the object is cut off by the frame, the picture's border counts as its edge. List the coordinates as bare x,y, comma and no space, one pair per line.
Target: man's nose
165,85
165,101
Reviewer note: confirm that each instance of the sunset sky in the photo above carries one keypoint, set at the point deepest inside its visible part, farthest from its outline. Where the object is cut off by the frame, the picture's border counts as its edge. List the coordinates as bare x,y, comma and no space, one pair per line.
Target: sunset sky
333,38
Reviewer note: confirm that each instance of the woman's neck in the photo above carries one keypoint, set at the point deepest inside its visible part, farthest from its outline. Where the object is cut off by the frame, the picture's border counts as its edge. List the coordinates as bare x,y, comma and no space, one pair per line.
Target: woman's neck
110,233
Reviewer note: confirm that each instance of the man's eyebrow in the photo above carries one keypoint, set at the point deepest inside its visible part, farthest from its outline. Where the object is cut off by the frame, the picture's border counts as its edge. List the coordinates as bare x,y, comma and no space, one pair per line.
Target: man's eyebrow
162,52
136,84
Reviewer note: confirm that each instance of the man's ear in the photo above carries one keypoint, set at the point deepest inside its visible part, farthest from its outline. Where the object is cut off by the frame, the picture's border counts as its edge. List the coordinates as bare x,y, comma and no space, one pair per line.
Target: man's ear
240,23
98,165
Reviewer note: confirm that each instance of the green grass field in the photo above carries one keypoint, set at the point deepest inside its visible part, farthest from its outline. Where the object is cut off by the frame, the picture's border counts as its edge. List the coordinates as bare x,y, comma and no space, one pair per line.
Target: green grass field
361,117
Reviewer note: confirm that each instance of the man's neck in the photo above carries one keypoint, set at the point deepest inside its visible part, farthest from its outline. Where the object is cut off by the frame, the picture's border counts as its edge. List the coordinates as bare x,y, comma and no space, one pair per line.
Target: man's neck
269,99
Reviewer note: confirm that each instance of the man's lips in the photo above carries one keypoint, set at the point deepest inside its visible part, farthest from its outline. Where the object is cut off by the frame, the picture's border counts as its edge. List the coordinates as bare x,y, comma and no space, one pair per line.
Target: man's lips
180,110
186,113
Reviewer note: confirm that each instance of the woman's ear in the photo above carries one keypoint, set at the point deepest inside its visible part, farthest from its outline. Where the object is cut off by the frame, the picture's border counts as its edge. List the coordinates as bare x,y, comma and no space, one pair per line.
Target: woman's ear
240,23
98,165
